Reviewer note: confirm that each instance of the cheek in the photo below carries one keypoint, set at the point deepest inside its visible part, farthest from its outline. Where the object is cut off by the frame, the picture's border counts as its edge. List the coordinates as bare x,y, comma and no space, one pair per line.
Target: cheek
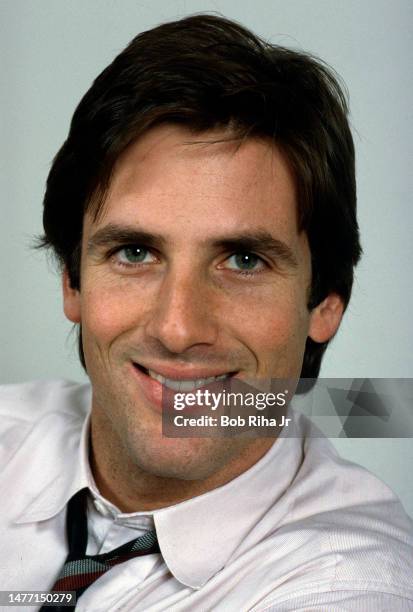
108,312
276,325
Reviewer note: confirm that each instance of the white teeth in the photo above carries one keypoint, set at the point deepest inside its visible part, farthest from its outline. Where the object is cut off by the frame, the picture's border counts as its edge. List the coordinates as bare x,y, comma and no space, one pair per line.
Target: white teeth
185,385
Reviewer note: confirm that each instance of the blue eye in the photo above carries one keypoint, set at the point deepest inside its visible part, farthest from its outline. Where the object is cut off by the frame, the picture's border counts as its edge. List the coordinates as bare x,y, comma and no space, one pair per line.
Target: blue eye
245,262
133,254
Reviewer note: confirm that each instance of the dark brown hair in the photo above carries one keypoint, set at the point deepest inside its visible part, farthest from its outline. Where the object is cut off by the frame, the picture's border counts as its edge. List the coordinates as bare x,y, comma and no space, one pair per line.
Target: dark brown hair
207,72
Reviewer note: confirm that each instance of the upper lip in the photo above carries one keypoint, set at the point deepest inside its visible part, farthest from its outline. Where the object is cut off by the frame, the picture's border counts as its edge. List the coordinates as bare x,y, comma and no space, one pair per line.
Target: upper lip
188,372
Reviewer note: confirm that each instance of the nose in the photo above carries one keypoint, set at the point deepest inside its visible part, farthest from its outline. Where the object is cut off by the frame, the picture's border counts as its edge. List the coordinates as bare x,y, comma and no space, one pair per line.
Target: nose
184,313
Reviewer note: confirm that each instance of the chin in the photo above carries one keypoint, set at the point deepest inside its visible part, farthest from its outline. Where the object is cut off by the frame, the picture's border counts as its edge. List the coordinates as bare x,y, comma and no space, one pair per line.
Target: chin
183,459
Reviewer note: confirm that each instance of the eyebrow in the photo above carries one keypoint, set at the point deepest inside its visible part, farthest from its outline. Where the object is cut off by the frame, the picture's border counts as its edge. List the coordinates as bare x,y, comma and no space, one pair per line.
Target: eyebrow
260,240
113,234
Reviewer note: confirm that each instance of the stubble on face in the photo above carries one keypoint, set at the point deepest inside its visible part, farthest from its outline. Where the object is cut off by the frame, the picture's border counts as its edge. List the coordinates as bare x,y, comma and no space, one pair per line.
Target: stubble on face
184,308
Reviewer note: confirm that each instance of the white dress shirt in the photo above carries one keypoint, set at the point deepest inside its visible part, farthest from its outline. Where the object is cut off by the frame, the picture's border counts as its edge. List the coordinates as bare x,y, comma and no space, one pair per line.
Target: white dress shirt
301,530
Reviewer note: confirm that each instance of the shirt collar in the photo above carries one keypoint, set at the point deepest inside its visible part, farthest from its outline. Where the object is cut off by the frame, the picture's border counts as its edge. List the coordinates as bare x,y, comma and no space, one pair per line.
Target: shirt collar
199,536
65,473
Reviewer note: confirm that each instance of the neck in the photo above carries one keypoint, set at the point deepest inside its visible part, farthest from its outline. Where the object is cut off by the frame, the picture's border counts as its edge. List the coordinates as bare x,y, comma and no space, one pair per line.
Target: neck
131,488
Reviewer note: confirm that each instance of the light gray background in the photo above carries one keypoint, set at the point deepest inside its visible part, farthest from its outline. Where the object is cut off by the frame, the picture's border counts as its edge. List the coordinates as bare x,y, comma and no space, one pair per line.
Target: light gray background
50,52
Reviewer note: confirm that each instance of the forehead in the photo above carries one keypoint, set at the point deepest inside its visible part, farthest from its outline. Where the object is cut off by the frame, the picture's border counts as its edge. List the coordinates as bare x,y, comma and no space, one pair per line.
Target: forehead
171,174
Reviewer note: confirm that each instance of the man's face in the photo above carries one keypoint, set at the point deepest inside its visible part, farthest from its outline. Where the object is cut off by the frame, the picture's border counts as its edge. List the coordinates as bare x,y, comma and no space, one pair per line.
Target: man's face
193,269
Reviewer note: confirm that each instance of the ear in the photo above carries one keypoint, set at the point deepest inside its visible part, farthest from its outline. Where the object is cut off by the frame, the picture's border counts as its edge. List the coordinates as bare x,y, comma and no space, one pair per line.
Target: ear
71,299
326,318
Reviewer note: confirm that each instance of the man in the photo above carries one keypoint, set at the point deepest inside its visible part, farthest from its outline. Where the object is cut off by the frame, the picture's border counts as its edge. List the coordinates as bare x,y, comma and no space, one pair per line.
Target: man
203,211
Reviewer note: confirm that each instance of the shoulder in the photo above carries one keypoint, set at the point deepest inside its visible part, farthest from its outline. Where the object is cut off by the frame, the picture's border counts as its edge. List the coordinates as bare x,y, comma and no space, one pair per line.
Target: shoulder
329,486
351,523
26,402
26,406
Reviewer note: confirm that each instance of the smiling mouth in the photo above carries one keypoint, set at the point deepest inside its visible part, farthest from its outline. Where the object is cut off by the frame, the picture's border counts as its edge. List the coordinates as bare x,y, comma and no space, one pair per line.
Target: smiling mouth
184,385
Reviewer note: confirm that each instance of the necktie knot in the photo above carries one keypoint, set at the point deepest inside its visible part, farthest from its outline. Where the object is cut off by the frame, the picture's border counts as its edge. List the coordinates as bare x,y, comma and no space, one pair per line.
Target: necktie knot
81,570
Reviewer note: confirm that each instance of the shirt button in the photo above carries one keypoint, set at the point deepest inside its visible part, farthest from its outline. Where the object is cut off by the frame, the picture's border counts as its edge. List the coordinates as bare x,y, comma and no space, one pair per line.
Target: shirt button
101,508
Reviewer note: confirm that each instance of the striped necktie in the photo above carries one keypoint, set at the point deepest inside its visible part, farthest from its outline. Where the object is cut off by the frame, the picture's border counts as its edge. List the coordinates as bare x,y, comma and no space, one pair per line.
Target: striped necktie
80,570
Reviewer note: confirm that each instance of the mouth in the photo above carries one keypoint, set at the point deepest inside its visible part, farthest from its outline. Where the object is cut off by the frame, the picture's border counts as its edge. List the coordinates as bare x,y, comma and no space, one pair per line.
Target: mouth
183,383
